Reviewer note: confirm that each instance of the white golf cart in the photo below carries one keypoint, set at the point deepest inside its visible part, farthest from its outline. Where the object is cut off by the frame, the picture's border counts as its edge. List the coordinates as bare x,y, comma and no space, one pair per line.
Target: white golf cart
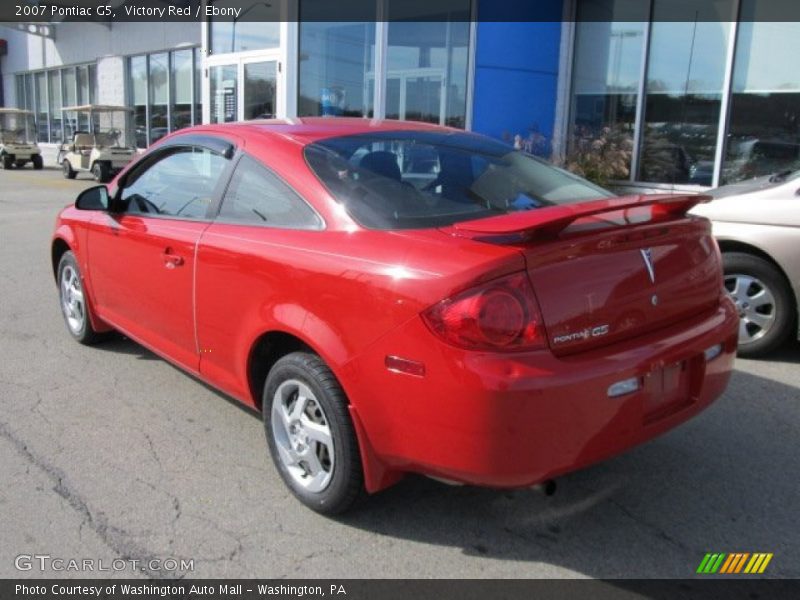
102,143
18,139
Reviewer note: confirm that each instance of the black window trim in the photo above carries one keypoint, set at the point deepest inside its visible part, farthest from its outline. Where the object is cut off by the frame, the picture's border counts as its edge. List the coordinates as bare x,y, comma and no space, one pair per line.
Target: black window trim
172,146
216,206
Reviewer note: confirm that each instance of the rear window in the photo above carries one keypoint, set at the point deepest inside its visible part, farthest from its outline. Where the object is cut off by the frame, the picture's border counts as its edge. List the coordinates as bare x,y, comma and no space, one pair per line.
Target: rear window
420,179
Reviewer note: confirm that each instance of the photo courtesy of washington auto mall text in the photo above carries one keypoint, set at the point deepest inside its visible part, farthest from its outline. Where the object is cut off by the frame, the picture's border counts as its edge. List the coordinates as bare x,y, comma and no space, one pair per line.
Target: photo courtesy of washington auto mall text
67,591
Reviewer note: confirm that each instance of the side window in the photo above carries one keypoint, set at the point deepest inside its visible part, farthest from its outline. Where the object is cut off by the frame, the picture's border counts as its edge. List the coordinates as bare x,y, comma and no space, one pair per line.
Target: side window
180,184
257,196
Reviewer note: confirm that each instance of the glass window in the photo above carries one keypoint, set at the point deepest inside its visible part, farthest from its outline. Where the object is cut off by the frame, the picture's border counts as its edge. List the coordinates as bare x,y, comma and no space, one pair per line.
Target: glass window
92,84
159,96
223,93
260,95
407,180
198,87
182,70
46,93
42,125
764,131
426,64
82,75
180,184
68,86
20,81
30,99
257,196
256,28
336,66
55,106
607,71
138,86
685,77
68,92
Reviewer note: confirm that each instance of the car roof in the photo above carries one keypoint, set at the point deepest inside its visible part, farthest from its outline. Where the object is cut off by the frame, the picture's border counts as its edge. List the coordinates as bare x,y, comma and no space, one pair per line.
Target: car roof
307,130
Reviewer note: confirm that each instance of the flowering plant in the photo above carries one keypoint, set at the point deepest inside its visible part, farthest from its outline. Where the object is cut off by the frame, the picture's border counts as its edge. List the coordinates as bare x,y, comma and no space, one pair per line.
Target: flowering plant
600,156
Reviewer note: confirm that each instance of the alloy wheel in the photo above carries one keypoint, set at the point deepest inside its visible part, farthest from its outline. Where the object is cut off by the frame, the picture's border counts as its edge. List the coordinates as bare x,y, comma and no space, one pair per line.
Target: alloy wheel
72,303
302,435
755,303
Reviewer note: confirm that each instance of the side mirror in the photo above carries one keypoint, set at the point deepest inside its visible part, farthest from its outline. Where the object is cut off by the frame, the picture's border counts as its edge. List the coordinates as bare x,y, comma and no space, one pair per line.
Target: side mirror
94,198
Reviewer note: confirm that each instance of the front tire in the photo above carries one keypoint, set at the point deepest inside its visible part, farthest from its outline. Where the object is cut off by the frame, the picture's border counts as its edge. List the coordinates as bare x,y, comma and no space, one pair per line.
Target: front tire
764,301
74,306
67,170
37,161
8,162
310,435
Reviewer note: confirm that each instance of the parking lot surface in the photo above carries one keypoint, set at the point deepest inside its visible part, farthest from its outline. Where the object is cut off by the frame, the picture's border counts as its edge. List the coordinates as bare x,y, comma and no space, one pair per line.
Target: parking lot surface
110,452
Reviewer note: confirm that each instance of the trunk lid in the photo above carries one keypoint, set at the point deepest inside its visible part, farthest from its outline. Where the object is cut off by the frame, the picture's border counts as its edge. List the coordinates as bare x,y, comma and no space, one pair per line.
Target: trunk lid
610,270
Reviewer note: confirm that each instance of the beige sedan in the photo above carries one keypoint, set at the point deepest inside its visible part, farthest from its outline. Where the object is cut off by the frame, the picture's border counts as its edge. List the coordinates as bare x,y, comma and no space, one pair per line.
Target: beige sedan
757,225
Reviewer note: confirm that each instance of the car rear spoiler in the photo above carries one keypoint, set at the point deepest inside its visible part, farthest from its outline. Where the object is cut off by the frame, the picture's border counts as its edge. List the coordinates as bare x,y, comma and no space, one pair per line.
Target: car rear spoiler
550,221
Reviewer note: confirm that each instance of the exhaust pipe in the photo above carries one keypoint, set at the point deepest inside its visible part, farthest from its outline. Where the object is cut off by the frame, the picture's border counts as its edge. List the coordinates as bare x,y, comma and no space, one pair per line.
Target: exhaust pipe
548,488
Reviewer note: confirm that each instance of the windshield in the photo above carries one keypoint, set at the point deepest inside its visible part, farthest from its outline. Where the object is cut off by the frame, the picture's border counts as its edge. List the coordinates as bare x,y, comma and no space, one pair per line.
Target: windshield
749,186
420,179
112,129
19,128
784,176
105,128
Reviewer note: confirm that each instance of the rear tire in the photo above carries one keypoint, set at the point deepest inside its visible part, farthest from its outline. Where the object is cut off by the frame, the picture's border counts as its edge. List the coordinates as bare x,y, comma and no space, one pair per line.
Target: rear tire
8,162
74,306
101,172
310,435
37,161
764,300
67,170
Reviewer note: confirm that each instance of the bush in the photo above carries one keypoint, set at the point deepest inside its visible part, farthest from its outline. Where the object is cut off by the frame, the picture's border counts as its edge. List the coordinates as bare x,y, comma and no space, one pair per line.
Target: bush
599,156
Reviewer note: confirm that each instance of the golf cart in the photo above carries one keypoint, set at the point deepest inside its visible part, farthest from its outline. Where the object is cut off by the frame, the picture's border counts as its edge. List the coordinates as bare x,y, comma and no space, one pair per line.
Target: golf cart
18,139
102,144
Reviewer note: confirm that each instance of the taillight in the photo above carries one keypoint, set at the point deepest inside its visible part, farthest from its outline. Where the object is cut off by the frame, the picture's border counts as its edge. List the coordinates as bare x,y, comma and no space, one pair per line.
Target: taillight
500,315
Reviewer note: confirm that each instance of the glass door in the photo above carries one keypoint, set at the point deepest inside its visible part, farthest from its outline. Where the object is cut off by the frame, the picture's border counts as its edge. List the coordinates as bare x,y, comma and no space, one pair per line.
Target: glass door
260,95
416,95
244,89
224,93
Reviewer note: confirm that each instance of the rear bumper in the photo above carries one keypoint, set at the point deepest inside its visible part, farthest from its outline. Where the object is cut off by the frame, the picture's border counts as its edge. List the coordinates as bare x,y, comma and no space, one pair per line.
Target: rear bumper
517,419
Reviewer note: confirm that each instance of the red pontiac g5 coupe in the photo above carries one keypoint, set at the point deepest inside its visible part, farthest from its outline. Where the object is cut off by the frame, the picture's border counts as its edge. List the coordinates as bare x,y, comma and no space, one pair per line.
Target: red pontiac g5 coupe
397,297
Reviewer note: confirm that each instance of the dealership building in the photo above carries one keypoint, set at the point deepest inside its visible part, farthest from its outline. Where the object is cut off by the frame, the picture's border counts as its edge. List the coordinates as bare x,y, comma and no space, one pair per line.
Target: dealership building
709,97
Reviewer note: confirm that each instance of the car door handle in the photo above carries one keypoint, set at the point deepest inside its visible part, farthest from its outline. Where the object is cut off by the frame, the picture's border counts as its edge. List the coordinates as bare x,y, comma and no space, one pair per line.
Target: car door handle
171,260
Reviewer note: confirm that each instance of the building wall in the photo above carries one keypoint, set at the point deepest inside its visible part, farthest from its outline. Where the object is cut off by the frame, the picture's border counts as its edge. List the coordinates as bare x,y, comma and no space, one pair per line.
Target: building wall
111,84
516,71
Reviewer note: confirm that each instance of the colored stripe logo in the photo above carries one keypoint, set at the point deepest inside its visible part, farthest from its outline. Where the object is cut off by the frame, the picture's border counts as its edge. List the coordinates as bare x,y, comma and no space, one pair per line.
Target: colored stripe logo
733,563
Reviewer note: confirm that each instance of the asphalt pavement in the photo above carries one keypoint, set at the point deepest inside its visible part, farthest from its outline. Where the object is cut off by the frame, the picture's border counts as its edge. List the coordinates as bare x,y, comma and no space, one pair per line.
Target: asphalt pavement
111,453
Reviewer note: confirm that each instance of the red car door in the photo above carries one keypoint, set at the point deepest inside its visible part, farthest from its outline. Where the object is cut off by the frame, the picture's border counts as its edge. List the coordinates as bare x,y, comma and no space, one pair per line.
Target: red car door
249,264
142,255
